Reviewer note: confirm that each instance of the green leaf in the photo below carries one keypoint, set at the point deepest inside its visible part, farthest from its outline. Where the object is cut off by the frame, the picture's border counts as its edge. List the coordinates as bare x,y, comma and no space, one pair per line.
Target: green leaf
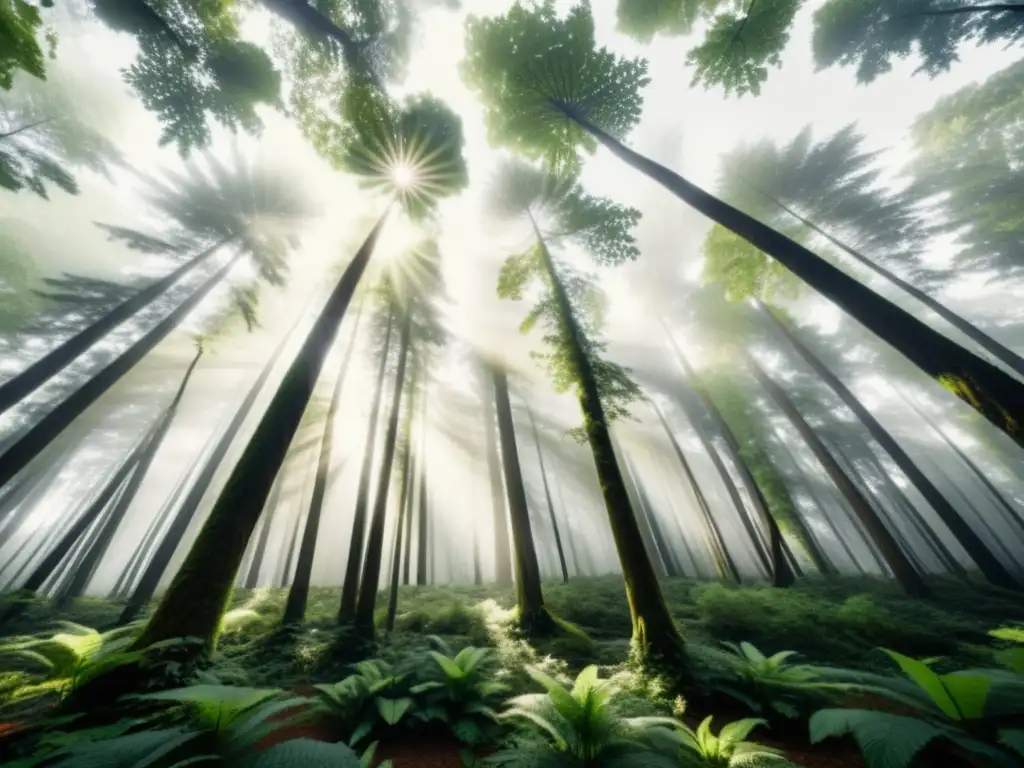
885,740
969,692
738,730
304,753
1013,738
361,732
930,682
1012,659
392,710
451,669
566,705
424,687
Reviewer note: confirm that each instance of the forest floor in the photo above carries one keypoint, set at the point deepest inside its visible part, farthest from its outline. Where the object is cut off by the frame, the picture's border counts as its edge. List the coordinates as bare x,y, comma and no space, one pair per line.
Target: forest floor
840,622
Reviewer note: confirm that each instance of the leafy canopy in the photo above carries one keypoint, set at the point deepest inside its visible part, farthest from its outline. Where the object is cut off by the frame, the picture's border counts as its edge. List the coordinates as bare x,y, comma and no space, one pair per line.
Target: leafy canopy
20,25
643,19
871,36
739,49
531,68
744,270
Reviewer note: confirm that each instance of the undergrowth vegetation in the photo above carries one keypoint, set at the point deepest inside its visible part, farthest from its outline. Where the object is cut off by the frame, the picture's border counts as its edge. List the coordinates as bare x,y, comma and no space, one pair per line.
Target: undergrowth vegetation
799,664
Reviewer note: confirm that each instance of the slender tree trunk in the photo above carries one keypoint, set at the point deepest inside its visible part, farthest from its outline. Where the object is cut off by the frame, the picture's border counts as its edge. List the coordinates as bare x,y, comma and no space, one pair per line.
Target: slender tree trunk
370,583
979,552
259,552
353,568
181,521
404,510
49,365
94,554
782,575
26,127
298,594
73,534
658,556
996,395
533,616
200,592
502,552
1002,353
43,432
646,508
654,631
407,556
716,542
547,496
577,567
422,538
895,558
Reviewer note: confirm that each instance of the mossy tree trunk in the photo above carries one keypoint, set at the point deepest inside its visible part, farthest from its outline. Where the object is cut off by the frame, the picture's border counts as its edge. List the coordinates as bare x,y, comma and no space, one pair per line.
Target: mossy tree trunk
370,582
298,594
422,540
353,568
201,590
895,558
655,633
533,616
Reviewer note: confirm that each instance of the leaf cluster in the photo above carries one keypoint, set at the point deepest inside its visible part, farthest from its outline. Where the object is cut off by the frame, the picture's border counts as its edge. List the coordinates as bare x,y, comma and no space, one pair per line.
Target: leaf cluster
976,711
532,68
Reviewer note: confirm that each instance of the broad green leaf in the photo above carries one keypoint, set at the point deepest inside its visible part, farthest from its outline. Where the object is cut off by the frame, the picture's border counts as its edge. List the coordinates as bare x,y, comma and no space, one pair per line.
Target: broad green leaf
361,732
885,740
585,680
392,710
738,730
451,669
969,692
1013,738
930,682
304,753
566,705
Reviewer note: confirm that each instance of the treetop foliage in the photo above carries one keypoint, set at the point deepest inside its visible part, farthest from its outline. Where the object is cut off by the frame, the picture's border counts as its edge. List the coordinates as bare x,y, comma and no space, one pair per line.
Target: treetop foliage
20,25
531,68
740,47
564,212
587,304
871,36
643,19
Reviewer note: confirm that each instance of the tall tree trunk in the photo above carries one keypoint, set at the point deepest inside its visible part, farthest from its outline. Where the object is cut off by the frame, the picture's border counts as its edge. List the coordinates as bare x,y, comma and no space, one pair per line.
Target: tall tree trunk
181,521
577,567
716,542
268,514
668,556
996,395
50,364
298,594
654,631
895,558
1002,353
424,504
407,546
404,513
533,616
502,553
370,582
25,127
43,432
547,496
73,534
979,552
200,592
782,575
353,568
660,558
95,553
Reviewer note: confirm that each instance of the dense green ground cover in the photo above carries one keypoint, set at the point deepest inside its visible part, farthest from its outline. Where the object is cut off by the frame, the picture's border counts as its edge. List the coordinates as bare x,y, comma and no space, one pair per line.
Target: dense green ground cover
837,624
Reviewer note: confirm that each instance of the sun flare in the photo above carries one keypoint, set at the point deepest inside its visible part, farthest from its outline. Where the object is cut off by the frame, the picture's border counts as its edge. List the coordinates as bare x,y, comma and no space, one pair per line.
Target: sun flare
403,176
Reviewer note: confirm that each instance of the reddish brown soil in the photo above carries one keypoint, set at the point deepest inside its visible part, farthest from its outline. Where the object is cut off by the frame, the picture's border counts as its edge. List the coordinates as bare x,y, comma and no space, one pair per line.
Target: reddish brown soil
428,753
